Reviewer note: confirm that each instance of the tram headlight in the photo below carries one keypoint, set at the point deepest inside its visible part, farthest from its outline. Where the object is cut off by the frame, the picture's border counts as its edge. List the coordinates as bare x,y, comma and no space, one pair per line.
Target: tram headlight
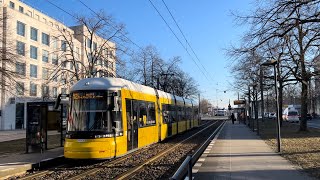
97,136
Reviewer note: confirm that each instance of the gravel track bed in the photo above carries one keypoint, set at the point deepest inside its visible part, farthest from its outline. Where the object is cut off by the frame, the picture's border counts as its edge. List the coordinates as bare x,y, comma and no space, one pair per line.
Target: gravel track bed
161,169
165,167
110,170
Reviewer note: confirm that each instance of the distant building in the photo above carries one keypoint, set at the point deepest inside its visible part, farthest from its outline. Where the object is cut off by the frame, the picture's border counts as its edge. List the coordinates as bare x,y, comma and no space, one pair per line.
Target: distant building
35,39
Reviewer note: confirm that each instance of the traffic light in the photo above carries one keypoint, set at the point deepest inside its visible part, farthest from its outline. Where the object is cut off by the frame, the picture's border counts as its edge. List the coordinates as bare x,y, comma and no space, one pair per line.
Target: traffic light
229,107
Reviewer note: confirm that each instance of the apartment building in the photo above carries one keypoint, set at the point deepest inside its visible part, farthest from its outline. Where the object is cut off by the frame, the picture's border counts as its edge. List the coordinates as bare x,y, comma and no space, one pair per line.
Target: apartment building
42,58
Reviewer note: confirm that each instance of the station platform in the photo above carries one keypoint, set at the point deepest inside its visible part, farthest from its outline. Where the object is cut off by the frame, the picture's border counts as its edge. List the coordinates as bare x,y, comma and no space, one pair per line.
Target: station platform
21,163
9,135
238,153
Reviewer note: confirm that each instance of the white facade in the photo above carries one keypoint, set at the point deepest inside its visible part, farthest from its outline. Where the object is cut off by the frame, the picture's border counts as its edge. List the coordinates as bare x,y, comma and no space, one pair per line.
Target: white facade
35,40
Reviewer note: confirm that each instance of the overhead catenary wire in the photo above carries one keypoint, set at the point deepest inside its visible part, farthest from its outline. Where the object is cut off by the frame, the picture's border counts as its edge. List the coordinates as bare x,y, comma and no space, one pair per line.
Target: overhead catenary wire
110,24
186,49
185,38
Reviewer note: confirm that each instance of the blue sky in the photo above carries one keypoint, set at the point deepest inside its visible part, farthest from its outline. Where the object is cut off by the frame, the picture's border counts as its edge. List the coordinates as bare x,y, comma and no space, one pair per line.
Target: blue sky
207,25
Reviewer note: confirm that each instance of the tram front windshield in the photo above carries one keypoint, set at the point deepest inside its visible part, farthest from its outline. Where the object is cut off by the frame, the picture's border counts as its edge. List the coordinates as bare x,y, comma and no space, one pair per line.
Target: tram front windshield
91,111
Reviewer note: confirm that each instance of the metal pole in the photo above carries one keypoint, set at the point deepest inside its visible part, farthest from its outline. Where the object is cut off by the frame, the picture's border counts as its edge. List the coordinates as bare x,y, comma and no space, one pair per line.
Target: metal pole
278,114
190,167
256,112
261,92
249,112
61,124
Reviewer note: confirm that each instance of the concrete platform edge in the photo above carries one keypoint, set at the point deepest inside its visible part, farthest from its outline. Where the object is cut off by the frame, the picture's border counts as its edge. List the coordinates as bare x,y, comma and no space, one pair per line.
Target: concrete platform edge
15,171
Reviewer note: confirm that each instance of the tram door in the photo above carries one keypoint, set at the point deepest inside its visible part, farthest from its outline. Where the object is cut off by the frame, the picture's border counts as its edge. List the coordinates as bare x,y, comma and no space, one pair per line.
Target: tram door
132,124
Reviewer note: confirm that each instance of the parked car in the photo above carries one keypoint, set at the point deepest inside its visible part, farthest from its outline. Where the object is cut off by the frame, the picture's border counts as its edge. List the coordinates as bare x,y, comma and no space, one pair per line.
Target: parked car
309,116
272,115
291,116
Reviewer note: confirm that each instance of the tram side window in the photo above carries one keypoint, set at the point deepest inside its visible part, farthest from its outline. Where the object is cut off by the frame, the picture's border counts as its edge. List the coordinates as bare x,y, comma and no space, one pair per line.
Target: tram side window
195,113
180,113
172,113
189,113
165,113
142,114
151,120
184,115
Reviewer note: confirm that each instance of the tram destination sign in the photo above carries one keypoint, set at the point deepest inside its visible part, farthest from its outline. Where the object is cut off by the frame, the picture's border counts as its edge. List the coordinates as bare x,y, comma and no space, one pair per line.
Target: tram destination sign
239,102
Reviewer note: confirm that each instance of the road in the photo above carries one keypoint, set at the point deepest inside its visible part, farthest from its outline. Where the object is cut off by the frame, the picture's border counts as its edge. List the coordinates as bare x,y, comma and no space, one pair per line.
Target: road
315,123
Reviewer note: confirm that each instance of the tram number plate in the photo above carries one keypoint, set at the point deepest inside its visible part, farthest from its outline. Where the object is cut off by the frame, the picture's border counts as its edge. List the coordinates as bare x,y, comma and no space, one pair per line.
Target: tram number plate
82,140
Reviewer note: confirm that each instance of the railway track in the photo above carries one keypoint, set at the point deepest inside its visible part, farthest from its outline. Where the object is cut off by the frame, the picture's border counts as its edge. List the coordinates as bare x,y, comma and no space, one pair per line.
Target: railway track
131,165
134,170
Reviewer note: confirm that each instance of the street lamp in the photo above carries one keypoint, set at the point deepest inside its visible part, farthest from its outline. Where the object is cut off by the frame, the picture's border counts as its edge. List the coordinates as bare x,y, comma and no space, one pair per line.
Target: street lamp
274,63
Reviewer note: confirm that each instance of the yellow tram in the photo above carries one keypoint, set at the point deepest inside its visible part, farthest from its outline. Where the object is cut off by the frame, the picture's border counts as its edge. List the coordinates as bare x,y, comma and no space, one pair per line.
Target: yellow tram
110,117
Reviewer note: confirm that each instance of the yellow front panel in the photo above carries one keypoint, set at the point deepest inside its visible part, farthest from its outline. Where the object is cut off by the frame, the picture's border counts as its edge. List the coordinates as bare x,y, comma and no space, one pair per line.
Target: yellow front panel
99,148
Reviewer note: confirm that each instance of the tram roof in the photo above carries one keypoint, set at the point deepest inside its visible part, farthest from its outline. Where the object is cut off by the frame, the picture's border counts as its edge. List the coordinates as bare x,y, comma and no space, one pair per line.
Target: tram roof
116,84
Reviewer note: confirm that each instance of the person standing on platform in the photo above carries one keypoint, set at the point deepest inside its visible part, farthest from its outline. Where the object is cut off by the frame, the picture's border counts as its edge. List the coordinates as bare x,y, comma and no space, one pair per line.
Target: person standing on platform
232,118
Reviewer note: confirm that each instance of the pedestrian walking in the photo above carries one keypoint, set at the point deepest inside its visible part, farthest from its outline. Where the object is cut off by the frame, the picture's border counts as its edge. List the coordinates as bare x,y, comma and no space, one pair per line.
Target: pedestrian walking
232,118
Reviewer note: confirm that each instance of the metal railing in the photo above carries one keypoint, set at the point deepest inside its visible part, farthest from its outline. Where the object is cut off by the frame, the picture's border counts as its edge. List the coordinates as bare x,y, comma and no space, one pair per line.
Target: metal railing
186,167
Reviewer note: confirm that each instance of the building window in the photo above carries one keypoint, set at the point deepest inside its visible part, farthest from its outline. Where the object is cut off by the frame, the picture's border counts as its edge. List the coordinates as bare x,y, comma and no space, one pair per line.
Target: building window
33,52
110,65
45,56
21,68
33,89
94,46
11,4
89,42
45,73
55,59
64,63
78,52
29,13
45,20
20,88
63,90
34,33
77,66
33,71
54,92
55,42
21,48
55,78
45,39
21,9
45,90
21,28
63,45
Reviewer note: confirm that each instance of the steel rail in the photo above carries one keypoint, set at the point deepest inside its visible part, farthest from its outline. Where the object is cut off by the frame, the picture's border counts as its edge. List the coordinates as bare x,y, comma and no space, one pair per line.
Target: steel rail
137,168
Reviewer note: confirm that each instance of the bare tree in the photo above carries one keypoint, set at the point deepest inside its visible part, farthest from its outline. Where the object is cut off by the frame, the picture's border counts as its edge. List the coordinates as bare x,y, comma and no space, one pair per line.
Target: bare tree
151,70
146,64
294,24
90,48
12,69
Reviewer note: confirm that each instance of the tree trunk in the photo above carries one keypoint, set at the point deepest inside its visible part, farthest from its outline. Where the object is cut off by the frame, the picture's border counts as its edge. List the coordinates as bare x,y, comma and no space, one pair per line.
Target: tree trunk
304,82
304,107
